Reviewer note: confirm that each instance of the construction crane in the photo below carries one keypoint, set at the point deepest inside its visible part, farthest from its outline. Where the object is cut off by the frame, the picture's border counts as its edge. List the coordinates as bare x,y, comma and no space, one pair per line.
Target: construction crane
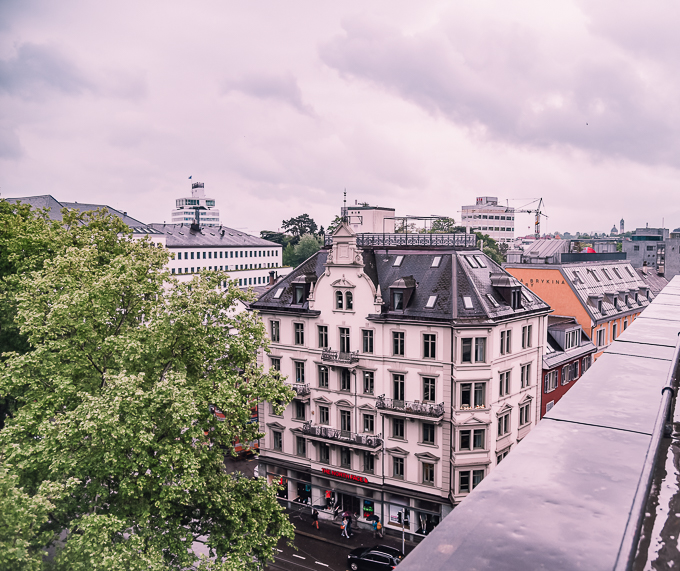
537,213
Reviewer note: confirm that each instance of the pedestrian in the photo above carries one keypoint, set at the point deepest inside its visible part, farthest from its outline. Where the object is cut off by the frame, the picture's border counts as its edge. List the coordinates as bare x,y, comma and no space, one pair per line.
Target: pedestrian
379,529
348,527
345,528
315,518
328,499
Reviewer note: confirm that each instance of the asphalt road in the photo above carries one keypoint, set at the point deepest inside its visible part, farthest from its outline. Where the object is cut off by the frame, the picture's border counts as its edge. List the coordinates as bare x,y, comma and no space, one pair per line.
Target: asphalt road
311,554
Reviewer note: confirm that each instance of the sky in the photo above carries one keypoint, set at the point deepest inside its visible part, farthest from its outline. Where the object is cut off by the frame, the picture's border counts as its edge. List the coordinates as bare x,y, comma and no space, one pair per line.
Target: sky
278,107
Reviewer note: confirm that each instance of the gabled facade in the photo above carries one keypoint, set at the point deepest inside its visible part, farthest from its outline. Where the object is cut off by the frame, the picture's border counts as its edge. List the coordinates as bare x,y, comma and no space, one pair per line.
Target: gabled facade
416,370
604,296
568,354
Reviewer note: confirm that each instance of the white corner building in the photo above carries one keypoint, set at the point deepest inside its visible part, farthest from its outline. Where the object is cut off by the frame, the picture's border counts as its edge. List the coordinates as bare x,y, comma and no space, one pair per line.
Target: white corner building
196,208
416,362
488,217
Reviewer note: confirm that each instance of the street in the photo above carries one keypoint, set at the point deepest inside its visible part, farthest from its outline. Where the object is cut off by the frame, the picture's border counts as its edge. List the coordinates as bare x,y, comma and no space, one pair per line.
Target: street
311,554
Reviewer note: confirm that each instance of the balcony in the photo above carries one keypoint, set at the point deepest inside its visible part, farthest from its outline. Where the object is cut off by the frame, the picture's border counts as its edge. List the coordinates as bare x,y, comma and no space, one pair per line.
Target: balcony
339,357
300,389
400,240
342,436
408,408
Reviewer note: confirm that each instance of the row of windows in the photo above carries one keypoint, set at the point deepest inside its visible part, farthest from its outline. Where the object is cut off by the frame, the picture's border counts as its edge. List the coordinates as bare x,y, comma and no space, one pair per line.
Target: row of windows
208,255
601,334
570,373
345,459
473,350
226,268
487,217
494,228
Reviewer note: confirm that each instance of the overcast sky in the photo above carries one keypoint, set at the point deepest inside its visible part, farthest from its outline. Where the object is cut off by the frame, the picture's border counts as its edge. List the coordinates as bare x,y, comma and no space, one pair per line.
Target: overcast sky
277,106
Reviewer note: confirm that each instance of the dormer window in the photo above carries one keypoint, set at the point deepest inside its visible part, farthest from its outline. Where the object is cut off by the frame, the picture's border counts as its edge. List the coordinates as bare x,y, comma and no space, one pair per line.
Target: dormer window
625,300
398,300
299,294
599,305
401,292
571,339
616,302
516,299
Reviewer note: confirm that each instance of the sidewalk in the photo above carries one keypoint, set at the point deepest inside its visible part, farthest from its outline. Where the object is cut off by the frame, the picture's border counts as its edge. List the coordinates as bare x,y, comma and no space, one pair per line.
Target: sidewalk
329,531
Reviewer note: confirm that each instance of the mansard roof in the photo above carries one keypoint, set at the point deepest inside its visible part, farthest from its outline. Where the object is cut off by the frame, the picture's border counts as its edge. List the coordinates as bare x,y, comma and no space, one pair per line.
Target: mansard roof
443,284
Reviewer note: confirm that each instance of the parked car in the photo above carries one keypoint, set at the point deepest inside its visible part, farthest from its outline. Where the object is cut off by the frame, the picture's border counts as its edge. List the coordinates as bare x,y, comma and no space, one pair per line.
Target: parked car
373,558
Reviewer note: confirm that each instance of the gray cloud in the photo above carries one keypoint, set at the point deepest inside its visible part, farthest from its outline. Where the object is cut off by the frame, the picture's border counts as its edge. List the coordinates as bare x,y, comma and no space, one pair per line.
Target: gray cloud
35,69
283,88
10,146
503,81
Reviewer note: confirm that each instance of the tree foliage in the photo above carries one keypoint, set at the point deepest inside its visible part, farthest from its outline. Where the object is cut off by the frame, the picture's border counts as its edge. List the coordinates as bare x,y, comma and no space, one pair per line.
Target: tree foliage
308,246
111,404
299,226
492,249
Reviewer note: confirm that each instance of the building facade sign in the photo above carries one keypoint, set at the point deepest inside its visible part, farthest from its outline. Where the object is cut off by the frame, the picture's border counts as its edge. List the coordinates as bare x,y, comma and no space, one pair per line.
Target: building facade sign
345,476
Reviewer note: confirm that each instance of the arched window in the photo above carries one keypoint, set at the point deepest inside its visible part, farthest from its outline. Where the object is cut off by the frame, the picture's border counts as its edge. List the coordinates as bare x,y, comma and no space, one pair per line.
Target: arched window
338,300
348,300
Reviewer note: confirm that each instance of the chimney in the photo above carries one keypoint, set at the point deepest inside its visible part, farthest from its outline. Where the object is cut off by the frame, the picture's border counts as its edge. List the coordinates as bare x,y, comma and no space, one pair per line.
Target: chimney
271,278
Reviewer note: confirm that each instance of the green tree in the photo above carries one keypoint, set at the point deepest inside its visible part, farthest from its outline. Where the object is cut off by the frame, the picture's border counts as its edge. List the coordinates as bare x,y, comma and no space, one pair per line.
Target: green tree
333,226
491,248
445,226
307,247
299,226
112,405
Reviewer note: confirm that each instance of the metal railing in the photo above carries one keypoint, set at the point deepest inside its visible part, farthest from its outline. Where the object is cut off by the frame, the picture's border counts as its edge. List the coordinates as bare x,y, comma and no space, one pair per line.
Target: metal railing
421,408
400,240
300,389
340,356
369,440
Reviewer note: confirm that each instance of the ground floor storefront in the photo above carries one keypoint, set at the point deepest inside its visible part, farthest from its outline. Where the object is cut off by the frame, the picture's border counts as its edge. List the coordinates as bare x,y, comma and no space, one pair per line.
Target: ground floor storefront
336,493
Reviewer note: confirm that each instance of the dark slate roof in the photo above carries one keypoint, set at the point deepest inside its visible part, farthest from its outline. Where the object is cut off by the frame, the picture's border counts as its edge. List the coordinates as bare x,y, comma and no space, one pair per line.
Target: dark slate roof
430,281
312,266
181,236
654,281
55,206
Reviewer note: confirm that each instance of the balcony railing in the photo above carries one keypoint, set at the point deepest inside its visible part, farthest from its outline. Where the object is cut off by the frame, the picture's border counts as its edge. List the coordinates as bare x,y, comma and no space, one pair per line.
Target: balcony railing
339,356
400,240
342,436
300,389
407,407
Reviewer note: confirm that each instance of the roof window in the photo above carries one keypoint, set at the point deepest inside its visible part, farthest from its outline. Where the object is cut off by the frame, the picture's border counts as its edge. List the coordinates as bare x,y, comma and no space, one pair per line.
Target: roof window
397,261
467,301
278,293
630,273
480,261
594,272
577,277
471,261
436,261
605,271
431,301
493,301
528,297
616,271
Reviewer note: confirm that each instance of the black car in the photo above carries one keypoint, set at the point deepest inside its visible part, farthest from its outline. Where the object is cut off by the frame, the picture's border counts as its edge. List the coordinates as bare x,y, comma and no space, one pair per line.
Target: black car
373,558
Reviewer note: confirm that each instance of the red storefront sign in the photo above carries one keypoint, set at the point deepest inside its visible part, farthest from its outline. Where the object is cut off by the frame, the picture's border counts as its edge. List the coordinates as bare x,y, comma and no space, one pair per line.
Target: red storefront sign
345,476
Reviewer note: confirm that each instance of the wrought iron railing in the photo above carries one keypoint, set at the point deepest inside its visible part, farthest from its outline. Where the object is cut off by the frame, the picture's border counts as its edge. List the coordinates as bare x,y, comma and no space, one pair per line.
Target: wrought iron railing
340,356
300,389
369,440
400,240
421,408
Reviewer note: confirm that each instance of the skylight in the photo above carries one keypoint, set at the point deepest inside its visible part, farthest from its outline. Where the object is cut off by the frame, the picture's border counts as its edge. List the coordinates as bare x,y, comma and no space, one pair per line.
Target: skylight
616,271
436,261
594,272
398,260
480,261
467,301
278,293
471,261
527,297
493,301
629,272
577,277
431,301
605,271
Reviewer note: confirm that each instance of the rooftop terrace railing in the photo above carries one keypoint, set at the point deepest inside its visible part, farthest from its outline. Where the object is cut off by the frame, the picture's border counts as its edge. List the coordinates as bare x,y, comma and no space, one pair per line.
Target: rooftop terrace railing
572,493
402,240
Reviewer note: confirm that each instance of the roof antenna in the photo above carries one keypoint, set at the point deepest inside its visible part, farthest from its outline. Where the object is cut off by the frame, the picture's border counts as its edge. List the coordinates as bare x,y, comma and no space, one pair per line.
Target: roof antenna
344,207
